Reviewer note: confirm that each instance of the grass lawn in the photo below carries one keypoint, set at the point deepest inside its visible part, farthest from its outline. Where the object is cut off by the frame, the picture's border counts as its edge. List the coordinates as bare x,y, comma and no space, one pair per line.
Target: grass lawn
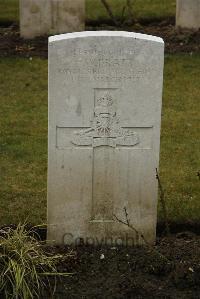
23,146
180,140
9,9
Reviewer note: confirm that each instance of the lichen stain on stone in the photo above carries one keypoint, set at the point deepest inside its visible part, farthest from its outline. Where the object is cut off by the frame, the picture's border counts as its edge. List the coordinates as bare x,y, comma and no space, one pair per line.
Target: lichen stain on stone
78,109
71,10
34,8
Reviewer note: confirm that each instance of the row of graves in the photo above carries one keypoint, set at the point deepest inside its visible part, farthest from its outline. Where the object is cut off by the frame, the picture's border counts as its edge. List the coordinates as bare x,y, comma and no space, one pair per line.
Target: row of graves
49,17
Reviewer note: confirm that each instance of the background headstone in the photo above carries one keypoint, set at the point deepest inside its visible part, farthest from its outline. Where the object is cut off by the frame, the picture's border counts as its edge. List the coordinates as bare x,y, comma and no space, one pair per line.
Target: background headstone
188,14
105,94
40,17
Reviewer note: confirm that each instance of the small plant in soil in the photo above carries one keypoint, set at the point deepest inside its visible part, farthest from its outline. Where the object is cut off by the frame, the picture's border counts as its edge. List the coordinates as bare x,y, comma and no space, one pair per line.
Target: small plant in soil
24,265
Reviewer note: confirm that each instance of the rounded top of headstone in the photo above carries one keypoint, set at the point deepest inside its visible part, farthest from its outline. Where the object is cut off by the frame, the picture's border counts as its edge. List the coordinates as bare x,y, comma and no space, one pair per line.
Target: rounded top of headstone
103,33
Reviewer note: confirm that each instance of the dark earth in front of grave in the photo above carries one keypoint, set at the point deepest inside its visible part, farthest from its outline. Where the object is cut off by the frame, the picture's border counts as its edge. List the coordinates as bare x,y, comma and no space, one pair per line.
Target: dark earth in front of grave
176,40
171,269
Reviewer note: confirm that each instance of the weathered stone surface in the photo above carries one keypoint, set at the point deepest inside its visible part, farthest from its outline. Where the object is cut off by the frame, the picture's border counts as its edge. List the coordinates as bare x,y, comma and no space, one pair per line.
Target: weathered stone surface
105,91
188,14
40,17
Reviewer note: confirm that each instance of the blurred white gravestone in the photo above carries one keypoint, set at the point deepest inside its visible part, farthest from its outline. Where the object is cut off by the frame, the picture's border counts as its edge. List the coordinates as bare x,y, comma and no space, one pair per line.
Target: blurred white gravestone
188,14
40,17
105,94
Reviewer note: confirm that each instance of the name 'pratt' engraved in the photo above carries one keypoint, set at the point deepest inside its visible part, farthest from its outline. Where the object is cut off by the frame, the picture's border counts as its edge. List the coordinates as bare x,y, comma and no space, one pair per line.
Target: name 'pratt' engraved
103,69
106,129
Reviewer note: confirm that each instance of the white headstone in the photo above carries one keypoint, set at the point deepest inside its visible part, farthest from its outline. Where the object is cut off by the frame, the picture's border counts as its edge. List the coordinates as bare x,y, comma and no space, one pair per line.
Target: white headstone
40,17
105,94
188,14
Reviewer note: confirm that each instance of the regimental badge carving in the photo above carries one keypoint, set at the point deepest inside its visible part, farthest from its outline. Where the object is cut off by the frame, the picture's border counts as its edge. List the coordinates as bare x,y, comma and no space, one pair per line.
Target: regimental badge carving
105,129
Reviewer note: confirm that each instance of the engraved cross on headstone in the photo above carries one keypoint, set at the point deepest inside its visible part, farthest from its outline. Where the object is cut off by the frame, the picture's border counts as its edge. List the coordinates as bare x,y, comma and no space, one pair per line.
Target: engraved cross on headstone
105,137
